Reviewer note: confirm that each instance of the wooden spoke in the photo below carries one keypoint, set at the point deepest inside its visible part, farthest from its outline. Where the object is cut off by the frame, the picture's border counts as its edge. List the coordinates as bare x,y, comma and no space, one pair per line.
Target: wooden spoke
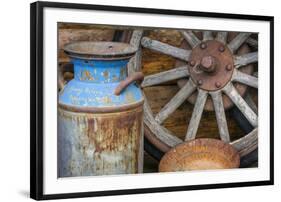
191,38
221,36
246,79
196,115
238,41
136,37
166,49
252,42
236,98
162,77
256,74
176,101
251,102
135,62
247,144
220,115
207,35
245,59
161,133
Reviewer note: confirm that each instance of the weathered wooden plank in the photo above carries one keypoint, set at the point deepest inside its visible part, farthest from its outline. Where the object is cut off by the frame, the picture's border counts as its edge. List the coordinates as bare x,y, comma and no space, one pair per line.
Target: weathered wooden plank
246,144
245,59
176,101
246,79
135,63
252,42
160,132
207,35
221,36
196,115
81,33
220,116
236,98
166,49
190,38
71,35
176,73
169,36
238,41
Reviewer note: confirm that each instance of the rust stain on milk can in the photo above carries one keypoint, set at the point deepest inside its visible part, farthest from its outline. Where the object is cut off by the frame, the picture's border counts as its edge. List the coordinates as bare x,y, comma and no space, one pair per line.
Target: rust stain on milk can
100,144
100,131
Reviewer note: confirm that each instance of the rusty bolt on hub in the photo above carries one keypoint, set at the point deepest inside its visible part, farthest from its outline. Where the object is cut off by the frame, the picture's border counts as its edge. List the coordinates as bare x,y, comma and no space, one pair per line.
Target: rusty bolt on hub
228,67
200,82
203,45
192,62
221,48
218,84
208,64
211,65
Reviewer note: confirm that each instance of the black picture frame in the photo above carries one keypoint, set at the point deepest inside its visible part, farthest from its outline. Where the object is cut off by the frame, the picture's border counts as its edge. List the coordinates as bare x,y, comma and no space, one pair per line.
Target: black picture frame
36,99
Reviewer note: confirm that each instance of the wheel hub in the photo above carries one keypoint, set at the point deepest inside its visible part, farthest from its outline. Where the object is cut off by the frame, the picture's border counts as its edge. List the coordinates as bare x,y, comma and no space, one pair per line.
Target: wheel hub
211,65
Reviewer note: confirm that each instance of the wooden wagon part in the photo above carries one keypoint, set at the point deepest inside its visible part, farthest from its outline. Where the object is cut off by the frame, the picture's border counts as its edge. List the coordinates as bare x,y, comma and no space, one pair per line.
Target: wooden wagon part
162,138
155,133
224,75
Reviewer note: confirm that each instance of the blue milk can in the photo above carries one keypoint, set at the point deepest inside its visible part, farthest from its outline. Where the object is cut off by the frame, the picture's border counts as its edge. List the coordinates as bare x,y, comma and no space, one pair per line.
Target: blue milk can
100,112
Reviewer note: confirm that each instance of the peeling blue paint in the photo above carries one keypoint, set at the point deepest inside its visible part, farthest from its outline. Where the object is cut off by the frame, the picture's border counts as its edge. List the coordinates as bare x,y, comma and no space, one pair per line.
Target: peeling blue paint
94,84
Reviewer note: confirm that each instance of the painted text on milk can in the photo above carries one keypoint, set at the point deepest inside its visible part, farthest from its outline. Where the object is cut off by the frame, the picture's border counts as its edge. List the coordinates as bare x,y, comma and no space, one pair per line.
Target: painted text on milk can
100,112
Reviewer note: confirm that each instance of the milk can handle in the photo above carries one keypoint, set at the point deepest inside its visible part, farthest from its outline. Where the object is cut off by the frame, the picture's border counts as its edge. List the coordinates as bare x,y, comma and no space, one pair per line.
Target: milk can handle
61,81
138,76
68,67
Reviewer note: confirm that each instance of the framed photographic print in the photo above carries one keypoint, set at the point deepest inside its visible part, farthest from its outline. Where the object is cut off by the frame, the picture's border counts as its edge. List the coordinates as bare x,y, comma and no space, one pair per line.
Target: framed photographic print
134,100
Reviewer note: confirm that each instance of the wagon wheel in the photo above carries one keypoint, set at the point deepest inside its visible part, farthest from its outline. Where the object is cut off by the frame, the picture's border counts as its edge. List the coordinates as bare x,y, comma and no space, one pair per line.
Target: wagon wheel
213,68
252,158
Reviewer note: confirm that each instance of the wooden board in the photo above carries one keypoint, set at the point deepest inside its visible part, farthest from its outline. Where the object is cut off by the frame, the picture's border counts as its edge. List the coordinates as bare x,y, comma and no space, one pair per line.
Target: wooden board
154,62
73,32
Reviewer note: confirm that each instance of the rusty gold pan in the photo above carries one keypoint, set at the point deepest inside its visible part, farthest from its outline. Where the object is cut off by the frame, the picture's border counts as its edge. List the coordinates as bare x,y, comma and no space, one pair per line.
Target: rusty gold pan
200,154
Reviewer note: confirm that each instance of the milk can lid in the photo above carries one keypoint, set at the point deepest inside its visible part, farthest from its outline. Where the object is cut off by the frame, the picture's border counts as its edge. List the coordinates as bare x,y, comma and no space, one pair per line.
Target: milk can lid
91,50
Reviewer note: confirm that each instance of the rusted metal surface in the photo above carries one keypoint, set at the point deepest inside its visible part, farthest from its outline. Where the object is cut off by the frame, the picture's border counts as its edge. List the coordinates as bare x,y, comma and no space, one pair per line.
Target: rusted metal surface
99,132
200,154
210,65
138,76
241,88
99,50
91,109
100,144
75,32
